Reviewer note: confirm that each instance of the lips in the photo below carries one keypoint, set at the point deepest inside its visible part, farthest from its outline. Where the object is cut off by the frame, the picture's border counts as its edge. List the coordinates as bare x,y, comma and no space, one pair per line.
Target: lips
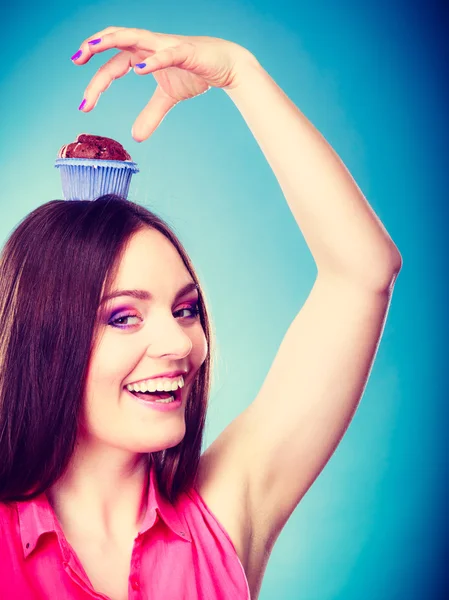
169,375
153,396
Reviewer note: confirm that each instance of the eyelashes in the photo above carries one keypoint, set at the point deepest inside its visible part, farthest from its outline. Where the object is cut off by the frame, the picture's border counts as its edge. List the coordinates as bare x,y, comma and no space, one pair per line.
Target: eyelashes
118,321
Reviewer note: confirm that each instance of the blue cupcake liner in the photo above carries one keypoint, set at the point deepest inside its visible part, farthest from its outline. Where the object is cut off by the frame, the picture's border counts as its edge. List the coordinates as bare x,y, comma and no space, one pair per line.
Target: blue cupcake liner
88,179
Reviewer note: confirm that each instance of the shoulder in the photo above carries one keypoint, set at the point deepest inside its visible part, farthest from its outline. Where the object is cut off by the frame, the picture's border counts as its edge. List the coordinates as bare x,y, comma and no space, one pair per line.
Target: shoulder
224,497
223,489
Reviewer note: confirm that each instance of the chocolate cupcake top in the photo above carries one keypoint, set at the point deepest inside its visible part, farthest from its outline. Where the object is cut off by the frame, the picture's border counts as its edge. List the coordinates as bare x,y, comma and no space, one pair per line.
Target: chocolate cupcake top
94,146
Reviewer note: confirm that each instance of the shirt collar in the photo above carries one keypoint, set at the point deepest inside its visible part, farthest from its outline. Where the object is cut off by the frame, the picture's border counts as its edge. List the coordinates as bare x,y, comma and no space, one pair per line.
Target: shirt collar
37,517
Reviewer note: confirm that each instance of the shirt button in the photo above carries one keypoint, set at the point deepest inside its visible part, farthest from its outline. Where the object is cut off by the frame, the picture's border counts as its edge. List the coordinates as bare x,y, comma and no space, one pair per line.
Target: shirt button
135,584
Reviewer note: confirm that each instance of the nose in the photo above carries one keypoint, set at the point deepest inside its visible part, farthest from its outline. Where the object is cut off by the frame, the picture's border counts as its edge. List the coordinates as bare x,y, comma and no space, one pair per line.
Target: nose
168,338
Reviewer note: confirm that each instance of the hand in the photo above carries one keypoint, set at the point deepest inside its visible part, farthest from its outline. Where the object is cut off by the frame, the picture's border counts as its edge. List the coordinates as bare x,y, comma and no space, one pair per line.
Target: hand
183,66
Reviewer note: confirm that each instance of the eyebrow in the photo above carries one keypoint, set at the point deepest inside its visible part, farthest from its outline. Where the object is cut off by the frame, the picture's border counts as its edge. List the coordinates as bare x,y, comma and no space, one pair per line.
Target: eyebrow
144,295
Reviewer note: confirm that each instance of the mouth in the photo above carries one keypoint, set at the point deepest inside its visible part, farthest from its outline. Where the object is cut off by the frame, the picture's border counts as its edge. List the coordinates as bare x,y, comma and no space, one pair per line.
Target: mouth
159,397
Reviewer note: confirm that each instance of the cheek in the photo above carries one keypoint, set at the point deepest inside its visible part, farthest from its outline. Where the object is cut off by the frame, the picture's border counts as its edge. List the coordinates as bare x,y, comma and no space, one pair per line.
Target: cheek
111,363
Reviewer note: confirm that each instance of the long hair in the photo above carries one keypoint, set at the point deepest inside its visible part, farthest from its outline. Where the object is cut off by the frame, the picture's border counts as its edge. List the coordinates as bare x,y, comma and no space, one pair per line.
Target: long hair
53,269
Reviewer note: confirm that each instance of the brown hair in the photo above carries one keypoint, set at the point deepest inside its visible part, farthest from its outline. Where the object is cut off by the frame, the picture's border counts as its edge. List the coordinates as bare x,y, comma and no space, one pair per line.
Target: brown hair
53,269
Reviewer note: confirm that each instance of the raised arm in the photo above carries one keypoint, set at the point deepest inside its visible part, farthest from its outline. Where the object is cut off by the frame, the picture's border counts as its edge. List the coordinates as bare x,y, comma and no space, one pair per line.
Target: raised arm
344,235
266,459
322,366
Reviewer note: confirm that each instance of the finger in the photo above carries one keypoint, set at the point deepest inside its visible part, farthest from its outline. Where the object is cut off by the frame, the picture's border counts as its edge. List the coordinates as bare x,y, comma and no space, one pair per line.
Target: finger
84,54
116,67
175,56
152,115
122,38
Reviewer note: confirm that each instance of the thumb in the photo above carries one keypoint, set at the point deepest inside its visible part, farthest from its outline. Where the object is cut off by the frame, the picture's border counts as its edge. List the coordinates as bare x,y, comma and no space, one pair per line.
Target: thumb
152,115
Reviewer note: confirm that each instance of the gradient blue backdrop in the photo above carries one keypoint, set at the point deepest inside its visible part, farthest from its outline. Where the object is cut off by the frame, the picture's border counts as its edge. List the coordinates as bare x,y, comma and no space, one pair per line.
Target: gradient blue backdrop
371,79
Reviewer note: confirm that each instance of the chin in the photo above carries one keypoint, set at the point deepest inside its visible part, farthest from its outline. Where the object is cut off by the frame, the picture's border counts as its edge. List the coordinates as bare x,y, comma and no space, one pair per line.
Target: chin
163,441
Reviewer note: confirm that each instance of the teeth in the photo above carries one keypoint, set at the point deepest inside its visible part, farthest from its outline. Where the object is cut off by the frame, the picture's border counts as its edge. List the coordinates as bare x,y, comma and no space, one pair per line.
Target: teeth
166,400
163,384
151,386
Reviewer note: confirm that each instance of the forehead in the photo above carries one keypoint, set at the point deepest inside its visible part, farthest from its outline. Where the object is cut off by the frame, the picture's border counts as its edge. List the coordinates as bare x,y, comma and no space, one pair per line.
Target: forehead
151,260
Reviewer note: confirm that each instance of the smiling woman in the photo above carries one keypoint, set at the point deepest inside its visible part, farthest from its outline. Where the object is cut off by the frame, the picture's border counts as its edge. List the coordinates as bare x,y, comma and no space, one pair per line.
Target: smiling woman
108,335
67,342
42,318
115,475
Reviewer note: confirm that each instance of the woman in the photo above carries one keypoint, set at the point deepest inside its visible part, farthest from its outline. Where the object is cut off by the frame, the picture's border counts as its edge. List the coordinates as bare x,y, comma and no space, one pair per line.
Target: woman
105,493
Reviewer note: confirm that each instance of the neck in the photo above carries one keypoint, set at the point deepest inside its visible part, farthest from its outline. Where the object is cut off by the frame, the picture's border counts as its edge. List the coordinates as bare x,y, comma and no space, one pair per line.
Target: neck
102,494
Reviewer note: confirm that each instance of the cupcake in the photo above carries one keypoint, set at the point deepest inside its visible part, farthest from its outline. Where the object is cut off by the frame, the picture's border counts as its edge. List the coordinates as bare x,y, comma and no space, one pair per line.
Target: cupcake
92,166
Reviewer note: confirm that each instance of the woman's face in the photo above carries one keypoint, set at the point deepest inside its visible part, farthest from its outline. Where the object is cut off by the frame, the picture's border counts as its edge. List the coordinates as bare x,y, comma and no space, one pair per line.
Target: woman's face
138,339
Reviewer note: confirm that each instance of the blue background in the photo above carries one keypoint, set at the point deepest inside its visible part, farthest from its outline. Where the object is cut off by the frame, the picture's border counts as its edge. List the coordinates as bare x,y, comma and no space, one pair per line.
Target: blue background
371,78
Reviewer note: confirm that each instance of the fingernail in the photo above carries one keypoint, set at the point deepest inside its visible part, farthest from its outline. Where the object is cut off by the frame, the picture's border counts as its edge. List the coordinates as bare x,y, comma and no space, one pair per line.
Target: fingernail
76,55
82,105
93,42
141,65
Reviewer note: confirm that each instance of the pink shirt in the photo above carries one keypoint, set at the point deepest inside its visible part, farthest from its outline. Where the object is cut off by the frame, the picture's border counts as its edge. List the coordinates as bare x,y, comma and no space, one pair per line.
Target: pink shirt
181,553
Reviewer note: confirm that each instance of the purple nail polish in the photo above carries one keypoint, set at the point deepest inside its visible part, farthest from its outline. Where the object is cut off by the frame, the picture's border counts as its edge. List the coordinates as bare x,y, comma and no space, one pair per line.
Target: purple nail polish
82,105
76,55
93,42
141,65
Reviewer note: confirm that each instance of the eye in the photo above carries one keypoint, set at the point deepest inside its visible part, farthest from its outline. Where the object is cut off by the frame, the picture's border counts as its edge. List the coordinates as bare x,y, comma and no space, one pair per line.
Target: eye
122,322
193,309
